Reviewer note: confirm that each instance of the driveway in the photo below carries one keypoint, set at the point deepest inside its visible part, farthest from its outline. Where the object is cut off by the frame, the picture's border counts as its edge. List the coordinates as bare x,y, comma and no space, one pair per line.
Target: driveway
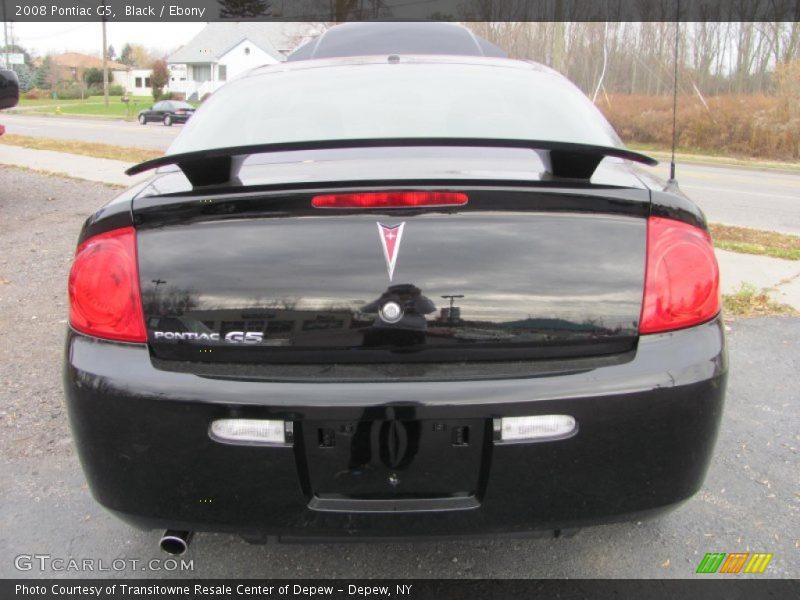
750,501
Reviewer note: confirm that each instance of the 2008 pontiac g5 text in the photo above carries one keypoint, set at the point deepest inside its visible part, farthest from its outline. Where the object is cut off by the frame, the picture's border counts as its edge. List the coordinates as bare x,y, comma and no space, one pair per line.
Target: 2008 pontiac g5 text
107,10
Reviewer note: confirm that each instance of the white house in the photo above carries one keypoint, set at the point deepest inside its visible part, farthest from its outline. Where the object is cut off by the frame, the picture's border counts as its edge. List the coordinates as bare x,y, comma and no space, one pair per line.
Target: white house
135,81
222,51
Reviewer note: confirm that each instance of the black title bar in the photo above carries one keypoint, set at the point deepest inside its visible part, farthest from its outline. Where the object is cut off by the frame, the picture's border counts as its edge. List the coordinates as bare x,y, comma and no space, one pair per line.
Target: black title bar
409,10
734,588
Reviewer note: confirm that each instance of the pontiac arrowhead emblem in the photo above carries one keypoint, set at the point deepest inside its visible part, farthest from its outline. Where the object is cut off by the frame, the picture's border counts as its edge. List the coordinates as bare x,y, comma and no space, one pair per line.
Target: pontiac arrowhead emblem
390,240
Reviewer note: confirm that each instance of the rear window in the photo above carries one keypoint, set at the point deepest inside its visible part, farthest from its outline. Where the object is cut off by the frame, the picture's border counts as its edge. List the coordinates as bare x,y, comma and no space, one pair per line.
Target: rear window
384,38
382,100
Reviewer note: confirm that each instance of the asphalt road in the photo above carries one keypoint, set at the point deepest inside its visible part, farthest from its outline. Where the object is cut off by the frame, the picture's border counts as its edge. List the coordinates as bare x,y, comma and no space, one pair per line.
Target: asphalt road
99,131
745,197
736,196
750,500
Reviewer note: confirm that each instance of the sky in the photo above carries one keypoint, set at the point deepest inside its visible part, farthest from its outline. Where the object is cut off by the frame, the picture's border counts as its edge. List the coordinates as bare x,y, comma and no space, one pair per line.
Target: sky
46,38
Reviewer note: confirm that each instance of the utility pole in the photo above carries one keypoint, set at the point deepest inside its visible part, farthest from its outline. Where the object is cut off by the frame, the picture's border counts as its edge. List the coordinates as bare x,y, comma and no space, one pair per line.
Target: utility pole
672,181
5,34
105,65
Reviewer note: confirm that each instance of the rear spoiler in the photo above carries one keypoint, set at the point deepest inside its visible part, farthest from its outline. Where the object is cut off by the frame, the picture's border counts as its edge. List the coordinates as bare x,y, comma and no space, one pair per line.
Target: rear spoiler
219,166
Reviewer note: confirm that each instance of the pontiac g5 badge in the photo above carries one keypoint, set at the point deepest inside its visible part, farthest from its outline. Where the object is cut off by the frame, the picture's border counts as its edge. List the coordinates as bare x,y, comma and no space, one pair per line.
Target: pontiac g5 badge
390,240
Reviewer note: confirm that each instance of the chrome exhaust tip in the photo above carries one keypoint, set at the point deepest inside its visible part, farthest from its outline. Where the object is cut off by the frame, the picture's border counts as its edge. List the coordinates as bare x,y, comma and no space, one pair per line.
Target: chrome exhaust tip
175,542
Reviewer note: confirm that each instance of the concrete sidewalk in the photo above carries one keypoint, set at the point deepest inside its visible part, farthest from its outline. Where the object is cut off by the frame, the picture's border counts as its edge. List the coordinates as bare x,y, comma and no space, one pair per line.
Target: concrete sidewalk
781,277
102,170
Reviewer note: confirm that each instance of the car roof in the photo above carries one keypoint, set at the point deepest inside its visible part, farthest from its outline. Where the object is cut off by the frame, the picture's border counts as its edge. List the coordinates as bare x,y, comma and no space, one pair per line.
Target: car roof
383,38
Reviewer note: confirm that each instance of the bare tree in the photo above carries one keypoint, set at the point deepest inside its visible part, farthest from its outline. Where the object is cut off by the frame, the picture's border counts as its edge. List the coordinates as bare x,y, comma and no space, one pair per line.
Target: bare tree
715,57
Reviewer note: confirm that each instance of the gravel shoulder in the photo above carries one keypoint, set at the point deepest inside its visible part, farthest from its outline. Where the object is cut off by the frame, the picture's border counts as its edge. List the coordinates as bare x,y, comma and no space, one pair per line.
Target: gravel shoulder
750,501
40,218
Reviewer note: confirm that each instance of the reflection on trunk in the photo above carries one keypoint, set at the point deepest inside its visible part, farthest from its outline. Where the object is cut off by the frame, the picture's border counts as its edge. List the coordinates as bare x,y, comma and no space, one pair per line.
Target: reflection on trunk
409,328
509,286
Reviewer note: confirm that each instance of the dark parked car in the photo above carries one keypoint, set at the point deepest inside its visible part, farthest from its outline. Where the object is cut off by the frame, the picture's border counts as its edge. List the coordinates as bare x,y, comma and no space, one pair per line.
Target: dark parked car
9,92
9,89
394,297
167,112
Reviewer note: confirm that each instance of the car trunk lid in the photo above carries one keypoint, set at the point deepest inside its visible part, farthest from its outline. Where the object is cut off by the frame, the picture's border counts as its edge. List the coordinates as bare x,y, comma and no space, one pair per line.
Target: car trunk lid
518,273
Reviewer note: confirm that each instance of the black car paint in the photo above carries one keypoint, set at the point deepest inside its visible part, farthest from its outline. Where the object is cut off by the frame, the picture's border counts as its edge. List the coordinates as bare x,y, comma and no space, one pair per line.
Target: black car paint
647,430
647,414
505,243
163,109
9,89
170,195
221,166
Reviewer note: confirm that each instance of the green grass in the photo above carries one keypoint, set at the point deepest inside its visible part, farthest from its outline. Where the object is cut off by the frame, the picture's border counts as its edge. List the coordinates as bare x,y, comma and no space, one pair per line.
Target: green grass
92,106
749,302
744,248
704,156
40,101
114,108
46,102
755,241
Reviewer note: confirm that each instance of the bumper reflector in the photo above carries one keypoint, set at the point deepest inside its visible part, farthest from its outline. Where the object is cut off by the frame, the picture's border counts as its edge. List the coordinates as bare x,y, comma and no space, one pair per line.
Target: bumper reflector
534,429
251,431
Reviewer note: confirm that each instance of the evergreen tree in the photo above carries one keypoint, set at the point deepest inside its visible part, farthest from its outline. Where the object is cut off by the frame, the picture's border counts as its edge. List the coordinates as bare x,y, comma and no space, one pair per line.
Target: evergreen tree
26,76
43,77
127,56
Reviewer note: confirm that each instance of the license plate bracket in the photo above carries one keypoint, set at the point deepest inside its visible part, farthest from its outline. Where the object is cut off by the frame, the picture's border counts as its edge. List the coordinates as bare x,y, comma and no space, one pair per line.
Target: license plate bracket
397,459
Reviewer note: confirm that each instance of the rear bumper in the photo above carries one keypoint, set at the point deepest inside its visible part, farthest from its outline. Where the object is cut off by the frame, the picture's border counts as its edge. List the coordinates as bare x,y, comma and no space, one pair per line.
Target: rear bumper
647,429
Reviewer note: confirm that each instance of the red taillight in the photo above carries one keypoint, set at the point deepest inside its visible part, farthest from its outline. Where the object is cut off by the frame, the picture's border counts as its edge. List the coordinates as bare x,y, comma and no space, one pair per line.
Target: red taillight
682,277
104,298
389,200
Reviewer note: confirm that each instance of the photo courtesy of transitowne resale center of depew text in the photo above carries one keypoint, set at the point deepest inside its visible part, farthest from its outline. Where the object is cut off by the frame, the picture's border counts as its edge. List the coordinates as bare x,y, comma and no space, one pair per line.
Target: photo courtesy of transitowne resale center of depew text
399,300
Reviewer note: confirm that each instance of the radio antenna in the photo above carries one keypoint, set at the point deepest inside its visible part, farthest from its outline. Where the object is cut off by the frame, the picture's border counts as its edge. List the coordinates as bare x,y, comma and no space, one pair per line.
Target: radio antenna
672,179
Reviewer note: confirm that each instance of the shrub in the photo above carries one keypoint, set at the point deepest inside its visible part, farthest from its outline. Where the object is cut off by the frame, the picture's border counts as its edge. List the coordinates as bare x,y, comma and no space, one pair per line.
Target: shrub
36,94
71,91
172,96
114,89
749,125
93,77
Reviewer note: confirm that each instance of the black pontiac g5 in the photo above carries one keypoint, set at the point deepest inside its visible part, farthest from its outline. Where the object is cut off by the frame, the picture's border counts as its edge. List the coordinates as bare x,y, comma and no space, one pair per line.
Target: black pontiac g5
390,296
